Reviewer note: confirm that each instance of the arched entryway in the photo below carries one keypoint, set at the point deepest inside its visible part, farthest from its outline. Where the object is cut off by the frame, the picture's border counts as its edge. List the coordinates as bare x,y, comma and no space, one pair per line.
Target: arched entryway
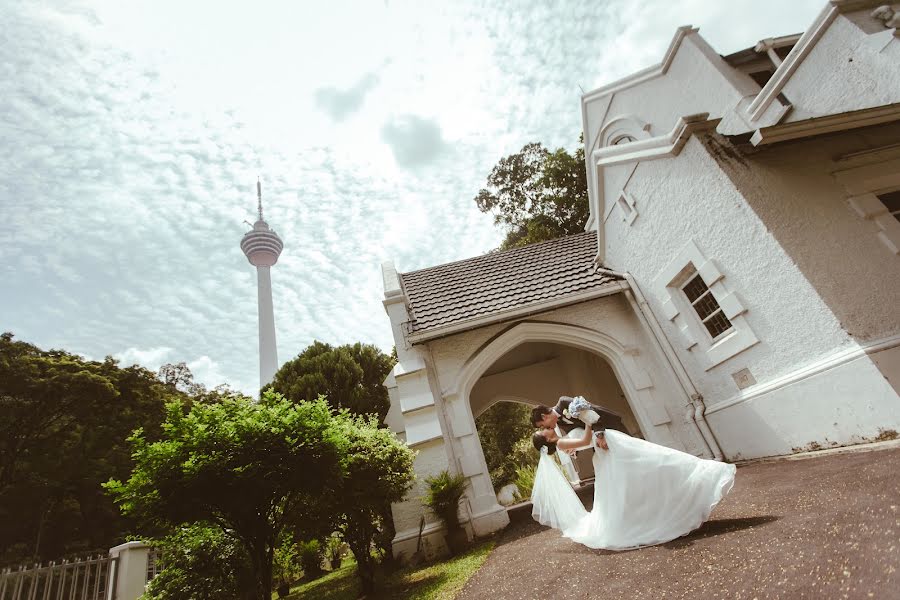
535,373
584,362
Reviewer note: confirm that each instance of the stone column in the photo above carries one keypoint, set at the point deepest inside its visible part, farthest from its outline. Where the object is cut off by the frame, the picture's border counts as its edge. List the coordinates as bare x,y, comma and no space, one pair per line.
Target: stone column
129,577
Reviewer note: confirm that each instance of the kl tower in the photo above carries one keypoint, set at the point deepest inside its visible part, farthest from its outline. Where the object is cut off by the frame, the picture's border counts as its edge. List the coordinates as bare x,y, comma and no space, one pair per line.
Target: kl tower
262,247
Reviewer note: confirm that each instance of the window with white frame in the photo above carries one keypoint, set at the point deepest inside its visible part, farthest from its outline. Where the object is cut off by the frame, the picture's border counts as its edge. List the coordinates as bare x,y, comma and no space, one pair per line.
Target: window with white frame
706,307
891,201
710,317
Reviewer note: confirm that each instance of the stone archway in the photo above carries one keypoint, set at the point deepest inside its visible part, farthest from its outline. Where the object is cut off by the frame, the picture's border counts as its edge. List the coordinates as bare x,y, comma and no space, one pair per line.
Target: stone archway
645,402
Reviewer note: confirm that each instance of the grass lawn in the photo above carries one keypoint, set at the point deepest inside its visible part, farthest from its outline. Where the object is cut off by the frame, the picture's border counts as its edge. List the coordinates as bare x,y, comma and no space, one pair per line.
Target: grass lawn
436,581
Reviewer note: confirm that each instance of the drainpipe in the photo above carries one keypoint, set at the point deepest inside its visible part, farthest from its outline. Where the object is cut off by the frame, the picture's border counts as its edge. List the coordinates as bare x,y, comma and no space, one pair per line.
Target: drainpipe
696,410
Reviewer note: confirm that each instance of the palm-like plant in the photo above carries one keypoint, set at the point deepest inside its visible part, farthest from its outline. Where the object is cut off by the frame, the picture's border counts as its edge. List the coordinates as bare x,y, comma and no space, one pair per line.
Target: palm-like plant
443,496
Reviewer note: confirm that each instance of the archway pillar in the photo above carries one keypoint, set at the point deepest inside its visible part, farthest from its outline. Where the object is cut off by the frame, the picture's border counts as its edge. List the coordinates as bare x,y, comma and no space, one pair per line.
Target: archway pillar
485,514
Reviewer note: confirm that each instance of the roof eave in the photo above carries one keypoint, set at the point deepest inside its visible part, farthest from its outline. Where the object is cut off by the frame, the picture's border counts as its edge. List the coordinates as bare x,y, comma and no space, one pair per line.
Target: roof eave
607,289
828,124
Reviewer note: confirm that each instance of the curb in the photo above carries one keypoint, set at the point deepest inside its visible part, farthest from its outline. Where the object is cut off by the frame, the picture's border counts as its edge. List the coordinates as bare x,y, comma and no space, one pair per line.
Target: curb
855,449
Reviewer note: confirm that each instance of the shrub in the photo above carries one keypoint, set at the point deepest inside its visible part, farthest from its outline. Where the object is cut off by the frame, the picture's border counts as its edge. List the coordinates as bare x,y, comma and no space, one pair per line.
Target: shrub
310,554
334,548
443,496
201,561
525,481
286,565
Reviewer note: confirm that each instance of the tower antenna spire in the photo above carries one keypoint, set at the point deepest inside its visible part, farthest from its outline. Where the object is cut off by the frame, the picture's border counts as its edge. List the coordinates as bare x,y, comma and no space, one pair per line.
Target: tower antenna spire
259,197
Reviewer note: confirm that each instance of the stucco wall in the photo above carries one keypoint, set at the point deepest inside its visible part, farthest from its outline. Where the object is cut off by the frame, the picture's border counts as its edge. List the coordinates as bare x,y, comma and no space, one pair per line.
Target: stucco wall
790,187
690,198
714,87
848,69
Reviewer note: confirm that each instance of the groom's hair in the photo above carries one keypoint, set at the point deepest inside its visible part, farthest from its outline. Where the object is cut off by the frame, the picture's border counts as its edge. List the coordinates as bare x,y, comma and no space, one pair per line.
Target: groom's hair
537,414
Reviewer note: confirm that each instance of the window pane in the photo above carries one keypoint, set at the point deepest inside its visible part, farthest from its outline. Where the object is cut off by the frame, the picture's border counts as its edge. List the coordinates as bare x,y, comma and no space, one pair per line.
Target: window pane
891,201
706,306
717,324
695,288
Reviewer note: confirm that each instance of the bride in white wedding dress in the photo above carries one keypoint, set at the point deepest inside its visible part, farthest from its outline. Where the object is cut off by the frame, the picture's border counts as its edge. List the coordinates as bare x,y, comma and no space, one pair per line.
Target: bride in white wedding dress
644,494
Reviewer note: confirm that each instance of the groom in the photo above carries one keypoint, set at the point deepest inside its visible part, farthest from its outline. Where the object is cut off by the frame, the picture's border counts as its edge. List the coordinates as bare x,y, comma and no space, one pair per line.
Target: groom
547,418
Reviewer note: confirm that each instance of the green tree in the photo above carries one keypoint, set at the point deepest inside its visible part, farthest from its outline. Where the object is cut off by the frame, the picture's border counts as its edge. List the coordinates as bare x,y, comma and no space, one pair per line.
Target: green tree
201,562
252,469
378,470
499,428
349,376
63,424
537,194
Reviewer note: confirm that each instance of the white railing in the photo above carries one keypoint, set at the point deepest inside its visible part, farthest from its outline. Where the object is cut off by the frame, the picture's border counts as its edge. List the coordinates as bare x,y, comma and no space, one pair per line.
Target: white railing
80,579
121,575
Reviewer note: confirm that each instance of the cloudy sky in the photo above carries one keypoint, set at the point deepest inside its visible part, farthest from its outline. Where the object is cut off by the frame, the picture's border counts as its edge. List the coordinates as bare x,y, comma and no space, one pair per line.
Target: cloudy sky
132,133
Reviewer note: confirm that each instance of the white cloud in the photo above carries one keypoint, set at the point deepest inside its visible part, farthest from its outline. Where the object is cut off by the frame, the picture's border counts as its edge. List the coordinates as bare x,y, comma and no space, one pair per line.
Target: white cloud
151,358
339,103
414,141
131,135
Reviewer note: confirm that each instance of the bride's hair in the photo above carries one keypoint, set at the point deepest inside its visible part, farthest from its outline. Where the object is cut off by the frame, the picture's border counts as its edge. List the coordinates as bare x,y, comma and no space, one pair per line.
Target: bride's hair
540,441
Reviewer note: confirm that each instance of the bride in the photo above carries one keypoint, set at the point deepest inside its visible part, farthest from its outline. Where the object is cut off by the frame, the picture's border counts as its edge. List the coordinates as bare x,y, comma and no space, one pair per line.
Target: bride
644,494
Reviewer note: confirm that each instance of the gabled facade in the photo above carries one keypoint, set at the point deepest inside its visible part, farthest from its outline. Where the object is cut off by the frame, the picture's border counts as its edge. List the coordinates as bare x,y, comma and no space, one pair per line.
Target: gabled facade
735,294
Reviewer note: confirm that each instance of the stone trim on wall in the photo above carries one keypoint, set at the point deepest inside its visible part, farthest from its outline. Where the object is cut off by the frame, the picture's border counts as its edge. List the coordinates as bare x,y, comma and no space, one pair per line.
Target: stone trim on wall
689,261
879,173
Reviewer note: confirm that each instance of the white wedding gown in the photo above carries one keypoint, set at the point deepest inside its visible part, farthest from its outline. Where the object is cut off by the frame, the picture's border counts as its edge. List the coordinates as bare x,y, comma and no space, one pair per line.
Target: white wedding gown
644,494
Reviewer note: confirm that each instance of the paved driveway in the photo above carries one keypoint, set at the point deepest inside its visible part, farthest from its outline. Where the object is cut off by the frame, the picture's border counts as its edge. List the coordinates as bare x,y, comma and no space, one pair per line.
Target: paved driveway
825,527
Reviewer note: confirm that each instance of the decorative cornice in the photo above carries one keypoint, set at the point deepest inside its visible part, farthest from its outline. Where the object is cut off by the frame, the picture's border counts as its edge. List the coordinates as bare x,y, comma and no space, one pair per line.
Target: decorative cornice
644,74
829,124
783,73
662,146
607,289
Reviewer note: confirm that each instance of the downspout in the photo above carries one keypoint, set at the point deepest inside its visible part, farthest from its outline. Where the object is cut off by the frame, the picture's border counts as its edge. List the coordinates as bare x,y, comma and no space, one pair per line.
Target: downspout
696,410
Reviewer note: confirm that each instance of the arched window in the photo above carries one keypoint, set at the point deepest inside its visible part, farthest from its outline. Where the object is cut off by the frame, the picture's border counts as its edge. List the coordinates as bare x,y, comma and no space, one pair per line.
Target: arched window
623,130
623,139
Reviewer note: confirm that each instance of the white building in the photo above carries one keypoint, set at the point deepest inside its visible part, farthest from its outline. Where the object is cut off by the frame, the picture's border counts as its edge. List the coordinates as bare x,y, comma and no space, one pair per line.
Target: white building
745,210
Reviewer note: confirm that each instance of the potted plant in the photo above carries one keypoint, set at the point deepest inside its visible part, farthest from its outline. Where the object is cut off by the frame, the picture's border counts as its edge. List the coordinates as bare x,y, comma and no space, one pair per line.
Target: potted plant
334,551
444,494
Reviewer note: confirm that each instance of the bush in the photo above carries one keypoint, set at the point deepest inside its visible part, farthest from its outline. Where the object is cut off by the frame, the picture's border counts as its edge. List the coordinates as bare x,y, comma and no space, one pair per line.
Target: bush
499,428
311,554
286,565
521,454
201,561
334,549
444,493
525,481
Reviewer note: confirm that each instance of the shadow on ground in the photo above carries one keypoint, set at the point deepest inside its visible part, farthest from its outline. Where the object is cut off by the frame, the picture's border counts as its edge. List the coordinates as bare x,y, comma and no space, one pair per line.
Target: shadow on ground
522,526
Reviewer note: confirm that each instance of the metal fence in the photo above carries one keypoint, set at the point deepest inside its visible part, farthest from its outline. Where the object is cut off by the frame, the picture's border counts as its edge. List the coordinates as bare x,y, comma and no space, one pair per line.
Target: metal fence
80,579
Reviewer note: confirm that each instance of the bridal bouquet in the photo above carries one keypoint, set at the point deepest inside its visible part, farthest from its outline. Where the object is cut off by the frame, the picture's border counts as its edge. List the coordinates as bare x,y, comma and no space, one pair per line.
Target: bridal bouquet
581,409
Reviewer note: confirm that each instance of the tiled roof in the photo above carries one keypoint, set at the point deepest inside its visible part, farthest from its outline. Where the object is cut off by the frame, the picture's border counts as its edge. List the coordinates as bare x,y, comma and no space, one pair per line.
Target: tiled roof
476,287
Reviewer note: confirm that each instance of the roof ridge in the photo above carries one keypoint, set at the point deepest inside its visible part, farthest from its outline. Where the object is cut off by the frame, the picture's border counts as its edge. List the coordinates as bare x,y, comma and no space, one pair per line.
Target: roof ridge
507,253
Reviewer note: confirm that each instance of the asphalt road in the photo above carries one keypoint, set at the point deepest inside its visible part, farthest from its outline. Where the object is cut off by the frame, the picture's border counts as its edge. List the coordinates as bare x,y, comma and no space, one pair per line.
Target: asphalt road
824,527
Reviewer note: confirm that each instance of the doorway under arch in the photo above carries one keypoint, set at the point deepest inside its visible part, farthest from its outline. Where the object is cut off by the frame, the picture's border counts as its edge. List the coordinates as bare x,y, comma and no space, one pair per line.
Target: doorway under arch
535,373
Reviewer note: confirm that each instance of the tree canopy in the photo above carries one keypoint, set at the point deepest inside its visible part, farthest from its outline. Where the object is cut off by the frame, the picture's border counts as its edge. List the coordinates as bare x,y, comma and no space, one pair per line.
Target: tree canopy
63,424
349,376
259,471
249,468
500,427
537,194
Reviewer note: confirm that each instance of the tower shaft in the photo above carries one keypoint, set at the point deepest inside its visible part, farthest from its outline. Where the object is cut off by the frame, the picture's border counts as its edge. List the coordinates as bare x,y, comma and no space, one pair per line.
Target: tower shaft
268,353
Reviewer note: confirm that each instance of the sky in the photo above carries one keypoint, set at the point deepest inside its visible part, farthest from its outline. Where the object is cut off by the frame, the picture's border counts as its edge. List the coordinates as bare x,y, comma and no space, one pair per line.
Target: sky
132,134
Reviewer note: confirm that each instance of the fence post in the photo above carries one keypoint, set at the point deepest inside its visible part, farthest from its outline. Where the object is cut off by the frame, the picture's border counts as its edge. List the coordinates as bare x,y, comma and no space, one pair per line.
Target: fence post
129,579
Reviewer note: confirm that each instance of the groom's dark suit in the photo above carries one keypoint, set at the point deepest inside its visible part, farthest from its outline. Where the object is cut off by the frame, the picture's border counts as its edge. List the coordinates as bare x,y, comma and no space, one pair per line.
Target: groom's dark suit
607,418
